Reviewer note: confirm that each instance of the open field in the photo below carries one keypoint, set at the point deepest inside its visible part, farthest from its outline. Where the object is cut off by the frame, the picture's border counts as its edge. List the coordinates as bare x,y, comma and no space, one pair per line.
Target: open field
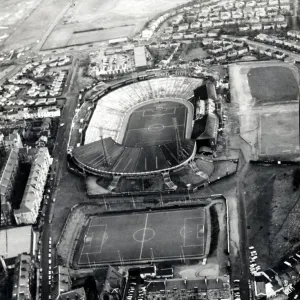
13,13
271,130
273,212
36,23
158,235
116,18
152,124
267,84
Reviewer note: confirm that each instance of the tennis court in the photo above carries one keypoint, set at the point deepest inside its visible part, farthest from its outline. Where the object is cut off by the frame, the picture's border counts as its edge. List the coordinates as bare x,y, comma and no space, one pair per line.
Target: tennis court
144,236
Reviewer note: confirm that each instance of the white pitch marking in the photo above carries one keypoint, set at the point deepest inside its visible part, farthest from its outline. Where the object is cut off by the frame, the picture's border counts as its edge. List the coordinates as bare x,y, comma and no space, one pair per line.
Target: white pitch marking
145,227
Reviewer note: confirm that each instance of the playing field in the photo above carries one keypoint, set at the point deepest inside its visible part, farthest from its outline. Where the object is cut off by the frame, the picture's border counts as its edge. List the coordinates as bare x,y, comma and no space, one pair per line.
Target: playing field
161,235
153,124
272,84
279,133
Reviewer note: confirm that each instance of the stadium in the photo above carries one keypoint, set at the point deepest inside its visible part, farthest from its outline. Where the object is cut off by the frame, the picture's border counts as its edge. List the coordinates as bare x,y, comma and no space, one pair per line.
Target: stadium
142,127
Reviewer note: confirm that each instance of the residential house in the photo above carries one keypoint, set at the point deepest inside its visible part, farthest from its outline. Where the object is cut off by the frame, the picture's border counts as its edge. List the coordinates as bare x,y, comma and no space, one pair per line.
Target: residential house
232,53
242,51
227,46
215,50
279,18
207,24
244,27
225,15
166,36
190,35
238,14
238,43
293,34
177,19
183,27
207,42
213,34
285,9
32,198
177,36
200,34
147,33
218,24
169,29
239,4
282,25
270,26
195,25
231,22
220,57
251,3
257,27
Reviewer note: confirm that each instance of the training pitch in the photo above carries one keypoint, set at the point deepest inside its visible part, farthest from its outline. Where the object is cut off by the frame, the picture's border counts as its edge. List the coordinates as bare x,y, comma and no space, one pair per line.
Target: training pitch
141,236
273,84
279,133
152,124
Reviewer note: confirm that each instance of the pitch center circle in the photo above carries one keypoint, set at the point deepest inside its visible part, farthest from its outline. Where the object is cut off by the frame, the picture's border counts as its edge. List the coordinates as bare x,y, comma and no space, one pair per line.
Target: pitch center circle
144,235
284,132
156,127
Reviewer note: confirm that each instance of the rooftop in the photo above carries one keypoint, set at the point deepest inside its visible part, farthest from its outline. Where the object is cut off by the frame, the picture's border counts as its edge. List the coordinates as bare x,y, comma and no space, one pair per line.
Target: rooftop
14,241
140,56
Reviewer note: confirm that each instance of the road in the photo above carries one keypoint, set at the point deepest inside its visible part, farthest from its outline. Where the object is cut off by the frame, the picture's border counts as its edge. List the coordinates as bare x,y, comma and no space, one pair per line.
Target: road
58,167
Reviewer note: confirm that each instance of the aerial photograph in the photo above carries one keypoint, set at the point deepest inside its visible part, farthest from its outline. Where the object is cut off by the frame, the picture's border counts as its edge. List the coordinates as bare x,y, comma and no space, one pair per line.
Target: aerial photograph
149,149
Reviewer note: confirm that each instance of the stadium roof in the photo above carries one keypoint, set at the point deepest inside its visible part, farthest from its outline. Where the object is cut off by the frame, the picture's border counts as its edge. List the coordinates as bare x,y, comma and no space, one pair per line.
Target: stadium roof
211,127
15,241
140,56
116,158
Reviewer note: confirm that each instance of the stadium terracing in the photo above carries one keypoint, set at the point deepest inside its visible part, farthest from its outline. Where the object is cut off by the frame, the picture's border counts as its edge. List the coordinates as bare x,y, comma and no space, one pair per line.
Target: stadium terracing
140,128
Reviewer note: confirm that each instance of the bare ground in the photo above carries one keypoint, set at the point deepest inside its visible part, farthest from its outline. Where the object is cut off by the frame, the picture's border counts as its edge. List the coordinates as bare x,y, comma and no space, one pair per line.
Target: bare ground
273,212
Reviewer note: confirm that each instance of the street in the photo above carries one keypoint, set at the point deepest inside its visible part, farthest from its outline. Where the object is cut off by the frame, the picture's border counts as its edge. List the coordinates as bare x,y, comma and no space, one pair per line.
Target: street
58,168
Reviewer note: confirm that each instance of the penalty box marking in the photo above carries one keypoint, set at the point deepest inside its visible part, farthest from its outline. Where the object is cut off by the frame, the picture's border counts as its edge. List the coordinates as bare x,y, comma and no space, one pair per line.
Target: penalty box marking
199,229
104,235
162,112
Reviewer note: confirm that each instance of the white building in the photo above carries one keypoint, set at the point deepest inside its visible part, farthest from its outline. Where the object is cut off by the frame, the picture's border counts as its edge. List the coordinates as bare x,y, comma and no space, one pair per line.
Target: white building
33,194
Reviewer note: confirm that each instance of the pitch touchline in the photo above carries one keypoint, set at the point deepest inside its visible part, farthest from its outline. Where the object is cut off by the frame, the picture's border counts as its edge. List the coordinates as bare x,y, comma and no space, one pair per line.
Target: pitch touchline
144,236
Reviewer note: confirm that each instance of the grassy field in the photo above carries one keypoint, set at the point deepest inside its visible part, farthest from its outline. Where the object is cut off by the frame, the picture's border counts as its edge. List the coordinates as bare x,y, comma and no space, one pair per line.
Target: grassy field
273,209
142,236
272,84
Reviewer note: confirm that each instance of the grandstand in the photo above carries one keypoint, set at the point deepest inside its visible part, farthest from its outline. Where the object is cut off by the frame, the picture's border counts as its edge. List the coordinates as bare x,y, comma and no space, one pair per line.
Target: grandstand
112,108
140,128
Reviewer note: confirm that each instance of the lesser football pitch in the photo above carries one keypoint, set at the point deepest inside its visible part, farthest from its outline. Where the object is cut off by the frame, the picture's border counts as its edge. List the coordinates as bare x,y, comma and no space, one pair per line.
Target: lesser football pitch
151,236
279,133
273,84
152,124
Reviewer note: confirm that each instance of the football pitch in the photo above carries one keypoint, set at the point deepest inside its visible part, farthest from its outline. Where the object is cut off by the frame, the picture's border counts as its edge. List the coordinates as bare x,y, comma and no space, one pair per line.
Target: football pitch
153,124
279,133
144,236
